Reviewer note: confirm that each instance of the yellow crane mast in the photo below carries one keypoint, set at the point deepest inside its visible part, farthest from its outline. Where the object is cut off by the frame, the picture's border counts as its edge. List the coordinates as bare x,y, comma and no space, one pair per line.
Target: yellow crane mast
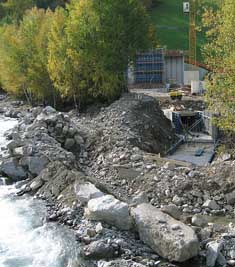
190,8
192,33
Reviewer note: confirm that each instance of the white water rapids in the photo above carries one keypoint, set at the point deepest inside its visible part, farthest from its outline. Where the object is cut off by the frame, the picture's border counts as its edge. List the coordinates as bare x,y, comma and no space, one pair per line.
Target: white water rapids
24,240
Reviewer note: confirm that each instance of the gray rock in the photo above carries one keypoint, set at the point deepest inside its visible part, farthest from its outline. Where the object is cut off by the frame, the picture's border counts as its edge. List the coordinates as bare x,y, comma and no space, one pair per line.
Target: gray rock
199,220
36,164
65,130
193,174
86,192
177,200
100,250
11,169
213,251
211,204
69,143
136,157
139,199
172,210
169,166
109,210
155,229
49,110
78,139
72,131
35,185
230,197
231,262
14,144
18,151
99,228
225,157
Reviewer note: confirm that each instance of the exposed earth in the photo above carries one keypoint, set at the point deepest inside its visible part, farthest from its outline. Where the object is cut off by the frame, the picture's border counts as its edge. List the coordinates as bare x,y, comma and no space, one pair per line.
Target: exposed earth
104,175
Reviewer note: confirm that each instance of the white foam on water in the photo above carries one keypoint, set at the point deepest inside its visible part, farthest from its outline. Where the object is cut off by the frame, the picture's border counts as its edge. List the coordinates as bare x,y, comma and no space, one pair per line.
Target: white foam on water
24,240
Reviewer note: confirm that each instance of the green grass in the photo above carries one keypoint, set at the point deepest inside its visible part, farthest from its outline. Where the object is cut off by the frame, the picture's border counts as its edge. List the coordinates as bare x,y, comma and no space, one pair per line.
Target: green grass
172,26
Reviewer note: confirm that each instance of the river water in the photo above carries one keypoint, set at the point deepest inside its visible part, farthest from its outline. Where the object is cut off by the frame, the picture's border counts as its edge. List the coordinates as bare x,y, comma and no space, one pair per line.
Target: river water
25,241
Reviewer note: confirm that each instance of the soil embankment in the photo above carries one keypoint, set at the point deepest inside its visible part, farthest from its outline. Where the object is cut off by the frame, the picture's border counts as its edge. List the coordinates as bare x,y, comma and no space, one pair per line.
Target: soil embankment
101,173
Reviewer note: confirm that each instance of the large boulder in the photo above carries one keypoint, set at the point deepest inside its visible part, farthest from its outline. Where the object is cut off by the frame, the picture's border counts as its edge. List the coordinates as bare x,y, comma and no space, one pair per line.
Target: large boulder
11,169
168,237
109,210
86,192
36,164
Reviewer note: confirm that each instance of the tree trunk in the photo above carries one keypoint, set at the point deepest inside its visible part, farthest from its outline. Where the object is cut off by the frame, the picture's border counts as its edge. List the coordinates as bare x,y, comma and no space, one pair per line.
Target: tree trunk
26,96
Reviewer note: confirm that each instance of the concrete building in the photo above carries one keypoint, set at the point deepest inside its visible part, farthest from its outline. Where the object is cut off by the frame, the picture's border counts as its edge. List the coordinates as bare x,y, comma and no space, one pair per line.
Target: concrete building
174,67
158,67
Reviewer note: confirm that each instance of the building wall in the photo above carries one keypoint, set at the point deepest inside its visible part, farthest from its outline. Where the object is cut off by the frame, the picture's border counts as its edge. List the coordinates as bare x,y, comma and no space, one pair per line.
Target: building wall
191,75
158,67
174,69
202,71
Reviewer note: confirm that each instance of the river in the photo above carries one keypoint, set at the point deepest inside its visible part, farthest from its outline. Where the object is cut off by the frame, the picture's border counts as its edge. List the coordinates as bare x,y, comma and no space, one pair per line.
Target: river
25,240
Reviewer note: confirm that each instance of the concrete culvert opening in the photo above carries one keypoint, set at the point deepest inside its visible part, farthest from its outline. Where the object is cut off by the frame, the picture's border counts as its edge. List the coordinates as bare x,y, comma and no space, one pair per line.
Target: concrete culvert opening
189,119
197,137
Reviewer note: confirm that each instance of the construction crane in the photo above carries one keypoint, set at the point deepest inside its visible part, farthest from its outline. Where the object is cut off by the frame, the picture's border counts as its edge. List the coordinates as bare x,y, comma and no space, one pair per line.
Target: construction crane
190,7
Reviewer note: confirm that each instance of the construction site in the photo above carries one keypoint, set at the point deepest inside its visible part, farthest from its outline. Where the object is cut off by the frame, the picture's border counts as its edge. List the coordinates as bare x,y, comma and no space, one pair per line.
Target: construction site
176,77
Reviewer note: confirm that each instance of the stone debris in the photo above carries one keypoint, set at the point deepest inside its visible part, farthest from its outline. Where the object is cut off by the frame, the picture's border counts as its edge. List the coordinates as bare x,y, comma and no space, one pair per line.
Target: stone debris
101,250
111,160
169,238
109,210
87,191
199,220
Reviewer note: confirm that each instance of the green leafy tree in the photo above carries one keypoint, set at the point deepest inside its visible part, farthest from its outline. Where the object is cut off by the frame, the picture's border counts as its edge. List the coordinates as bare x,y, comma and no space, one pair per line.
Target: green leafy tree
104,36
219,53
23,57
63,67
12,73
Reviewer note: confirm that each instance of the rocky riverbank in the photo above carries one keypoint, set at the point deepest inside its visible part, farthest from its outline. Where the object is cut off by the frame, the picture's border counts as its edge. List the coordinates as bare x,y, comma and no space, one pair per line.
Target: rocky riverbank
103,176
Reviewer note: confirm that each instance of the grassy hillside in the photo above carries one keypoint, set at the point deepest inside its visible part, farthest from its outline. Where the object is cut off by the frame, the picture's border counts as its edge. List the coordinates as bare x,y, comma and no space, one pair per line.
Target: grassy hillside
173,25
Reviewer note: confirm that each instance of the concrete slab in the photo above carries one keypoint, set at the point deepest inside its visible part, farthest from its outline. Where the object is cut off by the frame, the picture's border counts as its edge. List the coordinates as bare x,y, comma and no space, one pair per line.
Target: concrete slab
186,152
200,138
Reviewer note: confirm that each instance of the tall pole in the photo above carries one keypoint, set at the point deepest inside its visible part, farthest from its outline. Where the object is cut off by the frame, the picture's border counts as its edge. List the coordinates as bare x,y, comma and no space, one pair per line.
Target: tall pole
192,34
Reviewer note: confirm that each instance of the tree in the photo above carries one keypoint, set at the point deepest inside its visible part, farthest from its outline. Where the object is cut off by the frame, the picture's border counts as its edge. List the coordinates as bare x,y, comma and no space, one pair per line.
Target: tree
23,56
104,36
63,67
12,74
219,53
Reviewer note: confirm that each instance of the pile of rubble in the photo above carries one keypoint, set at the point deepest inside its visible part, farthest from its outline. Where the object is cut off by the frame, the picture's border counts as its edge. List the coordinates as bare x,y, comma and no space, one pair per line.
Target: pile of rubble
118,138
101,168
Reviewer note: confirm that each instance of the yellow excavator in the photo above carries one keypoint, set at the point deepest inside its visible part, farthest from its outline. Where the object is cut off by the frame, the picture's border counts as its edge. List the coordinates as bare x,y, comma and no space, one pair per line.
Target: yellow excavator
176,95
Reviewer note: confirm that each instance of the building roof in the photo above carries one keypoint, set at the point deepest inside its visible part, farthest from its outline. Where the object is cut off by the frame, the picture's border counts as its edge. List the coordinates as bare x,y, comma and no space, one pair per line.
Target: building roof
174,53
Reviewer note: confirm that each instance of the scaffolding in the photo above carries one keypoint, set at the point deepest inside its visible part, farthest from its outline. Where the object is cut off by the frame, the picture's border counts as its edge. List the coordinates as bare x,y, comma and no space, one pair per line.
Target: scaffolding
149,67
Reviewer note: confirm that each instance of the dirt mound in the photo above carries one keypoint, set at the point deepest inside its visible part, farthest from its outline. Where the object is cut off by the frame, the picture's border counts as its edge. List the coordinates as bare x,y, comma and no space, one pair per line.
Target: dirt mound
136,120
117,138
